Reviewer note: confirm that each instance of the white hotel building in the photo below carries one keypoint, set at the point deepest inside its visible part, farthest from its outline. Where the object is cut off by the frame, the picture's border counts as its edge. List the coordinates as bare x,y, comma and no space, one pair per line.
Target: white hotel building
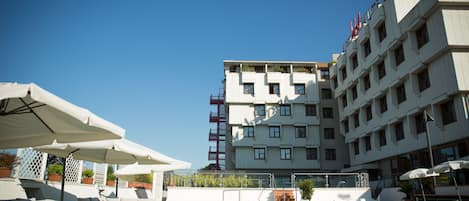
410,56
276,121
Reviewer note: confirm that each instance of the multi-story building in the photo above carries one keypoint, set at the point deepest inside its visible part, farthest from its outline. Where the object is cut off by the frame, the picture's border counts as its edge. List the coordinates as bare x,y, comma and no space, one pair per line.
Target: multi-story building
410,57
275,119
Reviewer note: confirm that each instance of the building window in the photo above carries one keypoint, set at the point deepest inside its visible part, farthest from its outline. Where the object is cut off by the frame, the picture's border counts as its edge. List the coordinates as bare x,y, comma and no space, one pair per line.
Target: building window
356,119
326,93
259,153
330,155
234,69
344,73
399,55
259,69
259,110
400,92
369,114
300,131
381,70
382,137
367,47
285,153
354,92
366,82
422,36
448,114
324,74
345,125
356,147
383,104
248,131
274,131
329,133
310,110
249,88
285,110
344,100
367,140
300,89
327,113
399,131
424,80
420,126
381,32
335,82
354,62
311,154
274,88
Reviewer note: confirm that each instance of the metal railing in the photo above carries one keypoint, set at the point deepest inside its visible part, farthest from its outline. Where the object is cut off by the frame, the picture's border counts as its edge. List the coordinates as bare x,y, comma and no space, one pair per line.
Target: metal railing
332,180
220,180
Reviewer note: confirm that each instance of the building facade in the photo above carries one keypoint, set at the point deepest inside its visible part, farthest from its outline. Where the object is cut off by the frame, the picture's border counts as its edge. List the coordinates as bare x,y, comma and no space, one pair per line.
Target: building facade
409,58
274,115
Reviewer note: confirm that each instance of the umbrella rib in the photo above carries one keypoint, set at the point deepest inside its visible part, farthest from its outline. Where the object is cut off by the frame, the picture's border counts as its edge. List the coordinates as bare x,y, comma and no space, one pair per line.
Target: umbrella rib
37,116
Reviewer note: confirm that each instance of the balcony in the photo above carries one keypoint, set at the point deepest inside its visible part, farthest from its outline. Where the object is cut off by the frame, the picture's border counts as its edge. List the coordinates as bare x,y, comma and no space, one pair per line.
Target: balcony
215,100
217,117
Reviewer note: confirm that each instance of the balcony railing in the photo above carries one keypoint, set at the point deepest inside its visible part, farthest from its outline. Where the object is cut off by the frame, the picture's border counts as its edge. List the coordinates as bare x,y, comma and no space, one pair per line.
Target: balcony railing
215,116
217,100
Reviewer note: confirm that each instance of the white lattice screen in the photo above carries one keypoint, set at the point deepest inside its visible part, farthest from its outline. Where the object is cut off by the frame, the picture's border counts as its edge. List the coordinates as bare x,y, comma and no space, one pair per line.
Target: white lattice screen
32,164
73,170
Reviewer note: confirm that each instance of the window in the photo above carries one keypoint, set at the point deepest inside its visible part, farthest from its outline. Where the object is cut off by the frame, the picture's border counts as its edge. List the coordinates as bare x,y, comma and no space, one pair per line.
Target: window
249,88
344,73
422,36
356,147
330,154
285,153
259,109
366,82
381,32
326,93
369,114
367,140
259,69
329,133
448,114
399,131
356,119
345,125
259,153
400,92
274,131
310,110
311,154
424,80
248,131
367,47
354,92
382,137
274,88
300,131
383,104
335,82
399,55
420,126
324,74
381,70
354,62
327,113
344,100
234,69
285,110
300,89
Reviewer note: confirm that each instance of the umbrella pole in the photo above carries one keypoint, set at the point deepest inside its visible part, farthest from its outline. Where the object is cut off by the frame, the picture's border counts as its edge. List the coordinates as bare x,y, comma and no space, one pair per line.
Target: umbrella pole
64,163
423,192
457,189
117,185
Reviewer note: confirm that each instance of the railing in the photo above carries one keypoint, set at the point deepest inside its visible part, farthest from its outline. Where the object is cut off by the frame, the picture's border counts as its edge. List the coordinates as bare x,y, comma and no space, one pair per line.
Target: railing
220,180
332,180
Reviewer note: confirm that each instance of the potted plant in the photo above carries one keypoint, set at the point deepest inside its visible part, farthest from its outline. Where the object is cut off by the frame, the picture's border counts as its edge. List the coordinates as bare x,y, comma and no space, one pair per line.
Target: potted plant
306,186
111,178
87,176
55,172
7,162
406,188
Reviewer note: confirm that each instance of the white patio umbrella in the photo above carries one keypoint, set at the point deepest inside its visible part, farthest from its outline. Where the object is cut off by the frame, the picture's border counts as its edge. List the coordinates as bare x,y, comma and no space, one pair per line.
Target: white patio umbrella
106,151
450,166
31,116
419,174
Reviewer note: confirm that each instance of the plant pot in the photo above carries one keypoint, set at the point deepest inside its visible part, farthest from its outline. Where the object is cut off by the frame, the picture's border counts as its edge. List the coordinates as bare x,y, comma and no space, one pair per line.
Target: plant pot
54,177
87,180
5,172
111,183
134,184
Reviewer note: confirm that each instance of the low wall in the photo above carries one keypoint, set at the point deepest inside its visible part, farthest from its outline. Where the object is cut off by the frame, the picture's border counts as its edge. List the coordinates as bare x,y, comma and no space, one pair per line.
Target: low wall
236,194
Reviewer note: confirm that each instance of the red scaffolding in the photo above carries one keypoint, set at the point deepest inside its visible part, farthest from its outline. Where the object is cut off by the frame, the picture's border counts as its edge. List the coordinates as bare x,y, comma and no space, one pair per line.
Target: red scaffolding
217,132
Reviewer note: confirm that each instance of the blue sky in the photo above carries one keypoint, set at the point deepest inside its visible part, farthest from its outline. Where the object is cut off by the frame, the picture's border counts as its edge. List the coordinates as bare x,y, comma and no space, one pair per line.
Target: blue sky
150,66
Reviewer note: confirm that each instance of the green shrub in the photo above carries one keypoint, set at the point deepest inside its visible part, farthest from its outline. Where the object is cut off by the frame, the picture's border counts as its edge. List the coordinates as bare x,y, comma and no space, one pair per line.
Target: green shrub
145,178
88,173
110,174
8,160
55,169
306,186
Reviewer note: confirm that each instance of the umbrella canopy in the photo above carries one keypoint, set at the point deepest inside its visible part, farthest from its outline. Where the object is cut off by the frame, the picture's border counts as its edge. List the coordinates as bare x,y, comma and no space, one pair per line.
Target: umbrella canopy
129,172
107,151
449,166
418,173
31,116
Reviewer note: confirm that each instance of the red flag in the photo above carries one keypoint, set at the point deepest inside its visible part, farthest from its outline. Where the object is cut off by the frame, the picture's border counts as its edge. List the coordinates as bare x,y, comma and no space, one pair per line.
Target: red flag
359,21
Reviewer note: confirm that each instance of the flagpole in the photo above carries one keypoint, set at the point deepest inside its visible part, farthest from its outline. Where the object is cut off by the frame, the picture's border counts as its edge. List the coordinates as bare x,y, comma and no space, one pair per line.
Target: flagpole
429,144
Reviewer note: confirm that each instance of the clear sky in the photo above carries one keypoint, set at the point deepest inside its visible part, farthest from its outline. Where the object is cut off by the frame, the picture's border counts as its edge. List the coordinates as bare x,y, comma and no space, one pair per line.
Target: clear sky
150,66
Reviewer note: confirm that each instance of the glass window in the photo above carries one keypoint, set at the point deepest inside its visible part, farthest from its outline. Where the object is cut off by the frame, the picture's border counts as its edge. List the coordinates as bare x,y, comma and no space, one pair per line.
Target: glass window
259,109
366,82
367,47
285,110
400,92
369,114
367,140
344,73
354,62
345,125
354,92
422,36
259,69
448,114
259,153
310,110
326,93
274,131
285,153
324,74
356,147
420,126
344,100
335,82
424,80
329,133
381,32
327,113
383,104
399,55
300,89
248,131
399,131
382,137
381,70
300,131
311,154
356,119
249,88
274,88
330,155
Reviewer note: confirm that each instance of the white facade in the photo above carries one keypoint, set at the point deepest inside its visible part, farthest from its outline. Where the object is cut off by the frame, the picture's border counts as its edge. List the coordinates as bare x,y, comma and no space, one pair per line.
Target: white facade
432,75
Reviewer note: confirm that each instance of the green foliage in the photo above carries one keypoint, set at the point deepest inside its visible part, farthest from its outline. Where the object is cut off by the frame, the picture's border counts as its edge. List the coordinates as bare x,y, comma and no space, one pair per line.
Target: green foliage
145,178
8,160
247,68
110,174
55,169
307,188
88,173
211,180
406,188
276,68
